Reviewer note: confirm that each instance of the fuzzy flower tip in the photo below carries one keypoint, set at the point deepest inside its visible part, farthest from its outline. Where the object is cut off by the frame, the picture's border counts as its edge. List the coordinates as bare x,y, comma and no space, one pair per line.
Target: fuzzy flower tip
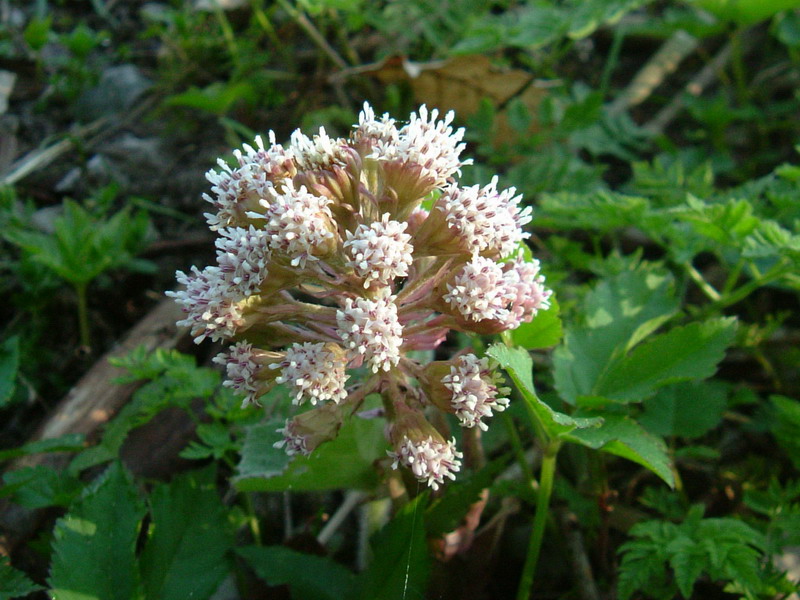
315,371
478,291
486,220
379,252
242,368
476,390
430,460
370,331
242,256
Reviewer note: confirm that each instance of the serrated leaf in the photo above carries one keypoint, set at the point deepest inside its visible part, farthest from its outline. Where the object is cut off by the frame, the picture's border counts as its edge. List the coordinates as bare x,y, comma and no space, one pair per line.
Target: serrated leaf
690,352
14,583
620,312
9,365
622,436
344,462
687,409
517,362
186,552
40,487
94,543
543,331
70,442
308,576
401,562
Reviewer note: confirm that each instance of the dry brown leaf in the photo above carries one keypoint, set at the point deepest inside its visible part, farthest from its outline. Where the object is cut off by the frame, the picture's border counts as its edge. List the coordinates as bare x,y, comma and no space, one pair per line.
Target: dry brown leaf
461,83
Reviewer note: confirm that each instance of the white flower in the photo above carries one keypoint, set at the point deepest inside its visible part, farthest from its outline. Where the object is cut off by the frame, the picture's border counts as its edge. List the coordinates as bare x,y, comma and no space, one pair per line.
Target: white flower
527,291
271,163
318,152
315,371
294,441
479,290
371,130
430,460
209,302
241,368
487,220
242,256
299,224
379,252
370,331
431,144
475,390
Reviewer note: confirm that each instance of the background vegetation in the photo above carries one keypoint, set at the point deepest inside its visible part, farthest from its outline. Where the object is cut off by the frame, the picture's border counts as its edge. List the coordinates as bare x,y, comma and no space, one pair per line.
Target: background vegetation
657,144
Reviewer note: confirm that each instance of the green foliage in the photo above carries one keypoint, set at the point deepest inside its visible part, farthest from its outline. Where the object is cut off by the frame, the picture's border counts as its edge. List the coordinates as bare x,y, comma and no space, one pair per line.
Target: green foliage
786,426
278,565
83,246
9,364
40,487
688,409
186,554
94,543
70,442
14,583
542,332
664,559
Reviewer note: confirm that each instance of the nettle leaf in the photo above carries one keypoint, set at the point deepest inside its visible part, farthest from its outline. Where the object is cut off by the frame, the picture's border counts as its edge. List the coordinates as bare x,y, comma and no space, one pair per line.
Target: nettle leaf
309,577
600,211
517,362
543,331
688,409
14,583
620,312
344,462
186,554
40,487
9,365
690,352
94,543
71,442
726,223
622,436
401,562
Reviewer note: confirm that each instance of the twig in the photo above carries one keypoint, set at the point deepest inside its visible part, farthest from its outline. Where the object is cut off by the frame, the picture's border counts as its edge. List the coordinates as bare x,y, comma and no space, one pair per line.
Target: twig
581,567
664,62
695,87
351,500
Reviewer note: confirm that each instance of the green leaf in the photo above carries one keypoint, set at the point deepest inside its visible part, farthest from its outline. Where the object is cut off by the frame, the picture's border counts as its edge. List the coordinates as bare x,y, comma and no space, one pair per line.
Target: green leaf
186,555
543,331
786,426
9,365
40,487
690,352
517,362
93,545
401,562
71,442
345,462
688,409
37,32
622,436
308,576
745,12
14,583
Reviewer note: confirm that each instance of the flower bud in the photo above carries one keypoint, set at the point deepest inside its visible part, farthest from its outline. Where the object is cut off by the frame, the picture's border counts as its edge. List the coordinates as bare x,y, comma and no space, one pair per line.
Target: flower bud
303,433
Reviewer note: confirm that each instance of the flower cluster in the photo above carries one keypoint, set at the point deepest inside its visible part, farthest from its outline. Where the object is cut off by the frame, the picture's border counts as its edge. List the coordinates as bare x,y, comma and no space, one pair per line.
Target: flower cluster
339,253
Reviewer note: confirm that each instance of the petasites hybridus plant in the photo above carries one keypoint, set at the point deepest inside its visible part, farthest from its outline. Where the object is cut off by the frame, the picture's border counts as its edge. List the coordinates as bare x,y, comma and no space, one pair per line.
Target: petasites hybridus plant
328,260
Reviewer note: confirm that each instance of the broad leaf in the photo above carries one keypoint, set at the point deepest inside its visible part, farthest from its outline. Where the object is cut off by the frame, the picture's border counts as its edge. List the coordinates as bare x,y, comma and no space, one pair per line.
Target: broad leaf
71,442
401,562
309,577
40,487
688,409
517,362
93,545
620,312
624,437
690,352
345,462
186,551
543,331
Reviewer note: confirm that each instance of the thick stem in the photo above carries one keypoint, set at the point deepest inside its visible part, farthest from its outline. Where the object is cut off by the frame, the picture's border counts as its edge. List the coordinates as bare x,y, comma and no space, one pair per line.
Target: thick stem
539,519
83,315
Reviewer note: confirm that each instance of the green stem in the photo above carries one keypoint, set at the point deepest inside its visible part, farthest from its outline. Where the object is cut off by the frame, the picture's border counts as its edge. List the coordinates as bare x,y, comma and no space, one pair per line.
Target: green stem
546,477
252,518
83,315
516,445
704,286
776,272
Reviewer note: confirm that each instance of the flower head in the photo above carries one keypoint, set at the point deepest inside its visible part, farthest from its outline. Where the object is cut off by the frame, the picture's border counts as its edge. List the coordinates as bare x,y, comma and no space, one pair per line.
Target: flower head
314,371
475,389
371,331
379,252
